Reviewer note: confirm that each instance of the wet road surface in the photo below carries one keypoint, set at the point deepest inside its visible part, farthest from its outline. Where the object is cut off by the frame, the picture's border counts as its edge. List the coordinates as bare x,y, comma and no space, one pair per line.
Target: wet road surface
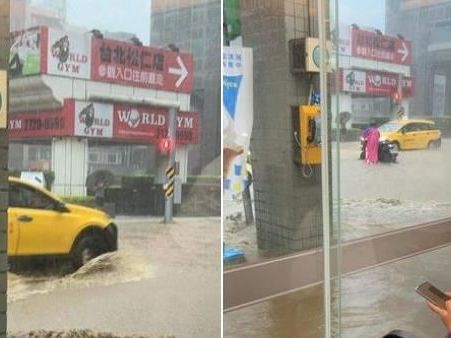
164,280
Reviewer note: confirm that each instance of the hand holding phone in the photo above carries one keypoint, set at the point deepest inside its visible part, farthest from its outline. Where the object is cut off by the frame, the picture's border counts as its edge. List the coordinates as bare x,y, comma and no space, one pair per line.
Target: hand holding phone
432,294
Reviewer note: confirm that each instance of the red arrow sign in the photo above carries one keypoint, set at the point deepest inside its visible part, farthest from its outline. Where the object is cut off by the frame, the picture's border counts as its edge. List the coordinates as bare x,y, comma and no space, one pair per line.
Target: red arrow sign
148,67
374,46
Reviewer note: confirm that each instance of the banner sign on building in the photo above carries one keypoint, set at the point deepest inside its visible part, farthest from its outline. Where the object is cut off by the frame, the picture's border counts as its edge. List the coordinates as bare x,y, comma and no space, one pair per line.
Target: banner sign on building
375,83
124,63
237,116
3,98
25,52
380,47
142,124
68,54
42,124
354,81
93,119
150,124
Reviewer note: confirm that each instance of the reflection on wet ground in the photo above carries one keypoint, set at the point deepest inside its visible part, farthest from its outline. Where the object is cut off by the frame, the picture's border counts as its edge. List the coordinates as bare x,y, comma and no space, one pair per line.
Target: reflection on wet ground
373,303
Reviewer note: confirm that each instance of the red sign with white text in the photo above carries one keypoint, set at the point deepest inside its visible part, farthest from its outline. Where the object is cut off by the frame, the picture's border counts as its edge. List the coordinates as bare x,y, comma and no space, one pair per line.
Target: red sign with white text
41,124
385,84
129,123
150,124
125,63
374,46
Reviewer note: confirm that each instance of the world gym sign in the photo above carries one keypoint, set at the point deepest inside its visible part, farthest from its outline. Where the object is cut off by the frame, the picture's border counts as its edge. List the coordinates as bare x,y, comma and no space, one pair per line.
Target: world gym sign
3,98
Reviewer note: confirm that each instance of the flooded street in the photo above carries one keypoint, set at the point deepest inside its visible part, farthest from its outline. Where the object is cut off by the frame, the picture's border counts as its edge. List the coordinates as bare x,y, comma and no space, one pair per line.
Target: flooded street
162,281
377,300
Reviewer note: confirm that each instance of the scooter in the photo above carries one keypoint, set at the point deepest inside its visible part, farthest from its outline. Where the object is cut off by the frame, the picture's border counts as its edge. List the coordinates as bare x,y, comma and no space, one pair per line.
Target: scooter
386,152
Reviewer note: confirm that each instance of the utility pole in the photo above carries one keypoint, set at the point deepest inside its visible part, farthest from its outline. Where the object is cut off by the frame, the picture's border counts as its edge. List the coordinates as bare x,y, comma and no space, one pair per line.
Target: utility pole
4,61
170,170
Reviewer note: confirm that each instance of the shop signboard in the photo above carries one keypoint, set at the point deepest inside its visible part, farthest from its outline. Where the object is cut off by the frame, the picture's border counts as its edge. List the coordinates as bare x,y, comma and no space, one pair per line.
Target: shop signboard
38,125
150,124
93,119
353,81
375,83
385,84
380,47
68,53
142,124
381,83
129,64
3,98
25,52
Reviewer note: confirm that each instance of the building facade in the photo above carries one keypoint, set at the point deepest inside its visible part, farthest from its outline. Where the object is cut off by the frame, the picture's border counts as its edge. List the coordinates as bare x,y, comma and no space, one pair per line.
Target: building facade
193,25
427,25
81,103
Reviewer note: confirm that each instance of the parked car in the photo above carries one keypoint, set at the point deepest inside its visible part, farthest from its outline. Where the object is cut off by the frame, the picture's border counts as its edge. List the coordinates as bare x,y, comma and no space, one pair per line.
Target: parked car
41,224
411,134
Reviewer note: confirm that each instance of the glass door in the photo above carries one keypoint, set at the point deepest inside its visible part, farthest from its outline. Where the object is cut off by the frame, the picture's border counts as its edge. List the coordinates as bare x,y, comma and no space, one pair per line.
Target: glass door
390,109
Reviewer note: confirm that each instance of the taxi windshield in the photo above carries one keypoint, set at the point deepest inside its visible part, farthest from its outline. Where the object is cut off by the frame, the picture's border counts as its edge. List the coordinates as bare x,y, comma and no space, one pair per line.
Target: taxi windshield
389,127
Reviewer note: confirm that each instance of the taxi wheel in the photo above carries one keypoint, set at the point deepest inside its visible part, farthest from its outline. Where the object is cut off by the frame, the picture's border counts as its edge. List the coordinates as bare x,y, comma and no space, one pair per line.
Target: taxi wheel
86,249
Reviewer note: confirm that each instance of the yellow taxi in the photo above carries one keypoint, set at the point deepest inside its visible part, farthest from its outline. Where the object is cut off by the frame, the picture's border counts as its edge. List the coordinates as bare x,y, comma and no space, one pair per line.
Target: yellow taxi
411,134
41,224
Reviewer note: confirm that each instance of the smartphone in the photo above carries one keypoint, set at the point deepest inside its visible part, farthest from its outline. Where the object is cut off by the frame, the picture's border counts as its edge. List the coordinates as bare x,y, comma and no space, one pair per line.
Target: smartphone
432,294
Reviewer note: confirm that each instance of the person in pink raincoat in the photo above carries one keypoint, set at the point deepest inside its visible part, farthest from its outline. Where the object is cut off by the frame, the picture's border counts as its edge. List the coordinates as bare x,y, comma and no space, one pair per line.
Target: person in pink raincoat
372,144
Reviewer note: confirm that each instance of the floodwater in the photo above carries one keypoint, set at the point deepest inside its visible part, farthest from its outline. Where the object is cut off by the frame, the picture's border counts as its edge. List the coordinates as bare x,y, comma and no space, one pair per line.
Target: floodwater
164,281
373,303
374,199
109,269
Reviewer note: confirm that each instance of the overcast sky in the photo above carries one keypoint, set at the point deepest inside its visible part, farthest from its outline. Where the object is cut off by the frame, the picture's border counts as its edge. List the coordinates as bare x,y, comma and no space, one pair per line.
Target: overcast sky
119,15
369,13
132,16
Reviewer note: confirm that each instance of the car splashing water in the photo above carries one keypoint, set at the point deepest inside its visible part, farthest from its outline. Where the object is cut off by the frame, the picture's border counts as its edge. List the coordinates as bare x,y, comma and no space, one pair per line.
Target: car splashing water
107,269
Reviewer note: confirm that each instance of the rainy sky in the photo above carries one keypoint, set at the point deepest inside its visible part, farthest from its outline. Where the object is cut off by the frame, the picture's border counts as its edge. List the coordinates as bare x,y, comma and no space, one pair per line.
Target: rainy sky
109,15
363,13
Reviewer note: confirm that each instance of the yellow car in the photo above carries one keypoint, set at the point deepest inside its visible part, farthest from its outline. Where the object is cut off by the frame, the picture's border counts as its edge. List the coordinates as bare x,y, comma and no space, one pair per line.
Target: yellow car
40,224
411,134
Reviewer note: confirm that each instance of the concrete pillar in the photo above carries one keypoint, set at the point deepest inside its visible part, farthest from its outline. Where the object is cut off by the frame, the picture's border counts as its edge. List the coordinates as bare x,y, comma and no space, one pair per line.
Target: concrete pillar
287,205
70,165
